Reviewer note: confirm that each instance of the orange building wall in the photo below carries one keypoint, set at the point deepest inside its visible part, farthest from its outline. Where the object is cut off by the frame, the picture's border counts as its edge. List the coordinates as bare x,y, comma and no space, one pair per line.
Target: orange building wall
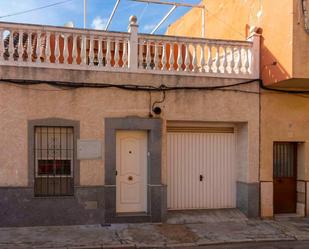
232,19
301,44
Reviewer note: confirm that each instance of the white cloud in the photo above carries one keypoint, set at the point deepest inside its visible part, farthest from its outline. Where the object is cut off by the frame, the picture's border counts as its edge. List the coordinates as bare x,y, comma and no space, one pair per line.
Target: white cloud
149,27
99,23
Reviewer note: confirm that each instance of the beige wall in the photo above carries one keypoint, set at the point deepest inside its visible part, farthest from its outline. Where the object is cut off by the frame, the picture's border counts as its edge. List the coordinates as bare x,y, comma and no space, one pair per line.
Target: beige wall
18,104
290,126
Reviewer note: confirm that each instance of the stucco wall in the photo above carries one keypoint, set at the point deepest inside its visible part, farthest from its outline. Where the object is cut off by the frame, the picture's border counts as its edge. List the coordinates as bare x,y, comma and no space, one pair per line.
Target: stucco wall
300,44
90,106
290,126
232,19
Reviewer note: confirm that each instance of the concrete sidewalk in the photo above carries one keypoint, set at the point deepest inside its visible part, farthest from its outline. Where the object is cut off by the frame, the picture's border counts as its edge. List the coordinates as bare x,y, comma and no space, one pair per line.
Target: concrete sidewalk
182,229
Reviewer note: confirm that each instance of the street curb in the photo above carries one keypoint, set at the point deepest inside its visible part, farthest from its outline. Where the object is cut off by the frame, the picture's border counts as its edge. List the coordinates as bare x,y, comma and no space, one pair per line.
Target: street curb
179,245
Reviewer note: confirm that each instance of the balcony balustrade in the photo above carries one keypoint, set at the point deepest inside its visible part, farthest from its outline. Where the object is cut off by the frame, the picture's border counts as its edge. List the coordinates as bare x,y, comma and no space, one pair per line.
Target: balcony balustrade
79,49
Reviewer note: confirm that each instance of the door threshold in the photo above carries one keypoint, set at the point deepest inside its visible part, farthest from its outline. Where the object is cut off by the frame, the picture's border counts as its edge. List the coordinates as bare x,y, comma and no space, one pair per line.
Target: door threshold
287,215
133,214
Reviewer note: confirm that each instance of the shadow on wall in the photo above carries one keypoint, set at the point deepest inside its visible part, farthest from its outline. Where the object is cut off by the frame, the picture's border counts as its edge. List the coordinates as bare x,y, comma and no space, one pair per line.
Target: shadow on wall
272,71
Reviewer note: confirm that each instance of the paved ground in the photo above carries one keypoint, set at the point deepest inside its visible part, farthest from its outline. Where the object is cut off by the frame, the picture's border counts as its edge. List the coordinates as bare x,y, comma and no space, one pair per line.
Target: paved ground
186,229
260,245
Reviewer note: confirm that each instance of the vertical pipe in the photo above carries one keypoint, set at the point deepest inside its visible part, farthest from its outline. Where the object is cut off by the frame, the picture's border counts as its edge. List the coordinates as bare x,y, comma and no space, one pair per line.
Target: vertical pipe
85,13
203,22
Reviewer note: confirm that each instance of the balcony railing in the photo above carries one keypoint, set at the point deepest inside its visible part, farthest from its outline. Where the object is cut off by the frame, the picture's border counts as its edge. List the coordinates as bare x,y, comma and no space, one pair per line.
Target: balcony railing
71,48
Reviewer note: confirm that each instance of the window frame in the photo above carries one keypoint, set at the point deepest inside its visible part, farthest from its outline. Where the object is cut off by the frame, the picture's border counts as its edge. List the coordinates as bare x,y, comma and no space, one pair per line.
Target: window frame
52,122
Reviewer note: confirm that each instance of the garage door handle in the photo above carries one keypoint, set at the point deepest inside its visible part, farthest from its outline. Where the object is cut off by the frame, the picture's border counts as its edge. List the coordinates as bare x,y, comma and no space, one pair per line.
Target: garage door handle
201,178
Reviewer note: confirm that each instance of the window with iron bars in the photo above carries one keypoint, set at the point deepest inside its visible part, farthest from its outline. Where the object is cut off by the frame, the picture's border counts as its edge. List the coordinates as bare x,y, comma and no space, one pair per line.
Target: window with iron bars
53,173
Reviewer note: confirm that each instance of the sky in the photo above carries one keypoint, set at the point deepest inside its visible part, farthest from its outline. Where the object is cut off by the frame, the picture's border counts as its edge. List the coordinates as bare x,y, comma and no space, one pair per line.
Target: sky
98,12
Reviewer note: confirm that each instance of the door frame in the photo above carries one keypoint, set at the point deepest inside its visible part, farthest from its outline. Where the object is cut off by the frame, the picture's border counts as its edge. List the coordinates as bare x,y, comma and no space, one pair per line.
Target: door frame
156,191
295,170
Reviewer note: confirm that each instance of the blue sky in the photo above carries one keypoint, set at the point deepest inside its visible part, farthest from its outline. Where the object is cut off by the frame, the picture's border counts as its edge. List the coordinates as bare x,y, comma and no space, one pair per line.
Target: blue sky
97,14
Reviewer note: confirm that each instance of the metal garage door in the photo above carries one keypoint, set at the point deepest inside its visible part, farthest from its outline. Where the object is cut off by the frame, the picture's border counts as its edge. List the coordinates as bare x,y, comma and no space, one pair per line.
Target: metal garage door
201,168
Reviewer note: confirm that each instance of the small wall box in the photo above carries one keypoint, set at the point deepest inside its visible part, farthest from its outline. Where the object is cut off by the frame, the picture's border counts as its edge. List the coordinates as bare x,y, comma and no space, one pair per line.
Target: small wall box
88,149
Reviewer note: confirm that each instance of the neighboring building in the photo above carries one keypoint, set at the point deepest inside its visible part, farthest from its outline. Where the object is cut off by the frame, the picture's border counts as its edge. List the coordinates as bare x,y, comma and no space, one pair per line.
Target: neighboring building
284,154
98,127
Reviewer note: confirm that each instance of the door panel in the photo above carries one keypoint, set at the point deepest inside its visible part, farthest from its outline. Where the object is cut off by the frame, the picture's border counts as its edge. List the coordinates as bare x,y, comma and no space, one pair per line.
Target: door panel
285,177
201,170
131,165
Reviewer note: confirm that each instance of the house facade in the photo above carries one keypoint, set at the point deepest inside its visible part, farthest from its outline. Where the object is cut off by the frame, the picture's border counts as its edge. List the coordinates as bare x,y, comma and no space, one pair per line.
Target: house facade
107,127
284,152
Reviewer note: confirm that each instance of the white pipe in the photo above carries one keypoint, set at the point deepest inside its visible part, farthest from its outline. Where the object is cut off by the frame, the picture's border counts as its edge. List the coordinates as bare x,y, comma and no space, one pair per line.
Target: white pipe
203,22
112,15
170,3
85,13
164,18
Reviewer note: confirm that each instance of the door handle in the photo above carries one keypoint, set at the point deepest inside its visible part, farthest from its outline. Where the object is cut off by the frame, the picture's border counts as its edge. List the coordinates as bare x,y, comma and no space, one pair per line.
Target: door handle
201,178
130,178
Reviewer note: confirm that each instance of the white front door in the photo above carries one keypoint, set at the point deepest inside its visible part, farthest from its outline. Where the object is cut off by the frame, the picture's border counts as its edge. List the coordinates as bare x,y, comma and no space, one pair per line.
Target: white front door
131,166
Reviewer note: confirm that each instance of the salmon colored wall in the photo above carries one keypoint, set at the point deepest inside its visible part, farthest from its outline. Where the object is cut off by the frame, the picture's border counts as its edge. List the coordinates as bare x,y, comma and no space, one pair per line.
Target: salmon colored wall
301,44
232,19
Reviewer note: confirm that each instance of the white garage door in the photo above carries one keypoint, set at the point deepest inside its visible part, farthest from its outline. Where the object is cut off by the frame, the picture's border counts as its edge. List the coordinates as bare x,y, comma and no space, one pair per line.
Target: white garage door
201,168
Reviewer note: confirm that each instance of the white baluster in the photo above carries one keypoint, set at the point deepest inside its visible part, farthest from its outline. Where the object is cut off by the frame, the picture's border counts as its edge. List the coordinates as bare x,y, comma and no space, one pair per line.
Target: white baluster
116,54
74,50
187,58
48,52
100,51
148,56
243,60
238,61
247,64
179,58
108,53
202,59
57,48
65,49
1,45
20,47
163,59
29,47
141,56
125,54
224,60
217,60
194,59
209,59
11,46
38,47
155,58
91,52
232,59
171,59
83,53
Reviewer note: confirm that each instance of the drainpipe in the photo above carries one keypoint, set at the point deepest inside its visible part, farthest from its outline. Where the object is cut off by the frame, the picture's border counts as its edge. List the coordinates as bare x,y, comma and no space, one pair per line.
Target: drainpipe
305,13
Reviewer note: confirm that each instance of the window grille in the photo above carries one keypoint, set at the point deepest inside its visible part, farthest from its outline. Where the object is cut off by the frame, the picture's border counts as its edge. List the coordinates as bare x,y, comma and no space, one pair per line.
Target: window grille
54,154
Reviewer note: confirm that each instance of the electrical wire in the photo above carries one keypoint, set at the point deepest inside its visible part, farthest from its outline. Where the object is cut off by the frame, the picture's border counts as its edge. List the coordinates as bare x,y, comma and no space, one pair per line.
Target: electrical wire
131,87
262,85
35,9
